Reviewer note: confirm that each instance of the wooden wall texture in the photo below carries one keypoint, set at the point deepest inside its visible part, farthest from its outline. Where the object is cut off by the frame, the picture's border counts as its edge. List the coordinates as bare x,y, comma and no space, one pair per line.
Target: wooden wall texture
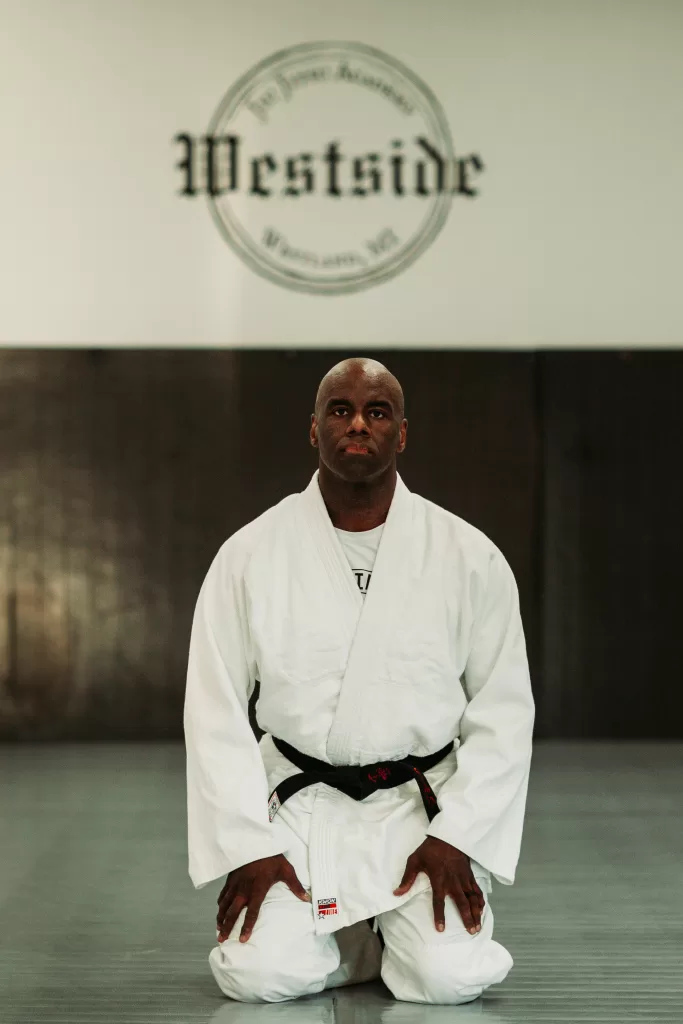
123,471
612,595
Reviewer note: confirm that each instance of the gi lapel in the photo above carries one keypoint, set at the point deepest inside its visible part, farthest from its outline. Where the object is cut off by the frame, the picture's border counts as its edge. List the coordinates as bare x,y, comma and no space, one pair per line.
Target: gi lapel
317,525
394,568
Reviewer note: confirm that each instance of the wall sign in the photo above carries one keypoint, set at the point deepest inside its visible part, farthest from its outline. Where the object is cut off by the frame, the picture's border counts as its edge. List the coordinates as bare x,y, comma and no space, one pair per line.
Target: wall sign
500,175
328,167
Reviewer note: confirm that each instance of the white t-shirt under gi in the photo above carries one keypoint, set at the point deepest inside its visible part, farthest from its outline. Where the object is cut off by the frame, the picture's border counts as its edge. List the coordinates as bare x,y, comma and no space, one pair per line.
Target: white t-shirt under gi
361,550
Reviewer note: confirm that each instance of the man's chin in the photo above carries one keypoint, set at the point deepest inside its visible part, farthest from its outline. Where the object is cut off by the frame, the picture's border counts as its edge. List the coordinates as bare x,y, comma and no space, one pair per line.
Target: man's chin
357,468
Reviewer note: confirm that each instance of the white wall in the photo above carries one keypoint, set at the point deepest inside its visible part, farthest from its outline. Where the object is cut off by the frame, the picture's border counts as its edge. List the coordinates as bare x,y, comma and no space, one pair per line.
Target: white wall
574,240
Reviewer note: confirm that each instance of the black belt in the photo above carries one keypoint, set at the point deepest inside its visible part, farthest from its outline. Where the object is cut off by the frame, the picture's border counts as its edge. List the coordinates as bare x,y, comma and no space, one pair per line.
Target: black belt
357,781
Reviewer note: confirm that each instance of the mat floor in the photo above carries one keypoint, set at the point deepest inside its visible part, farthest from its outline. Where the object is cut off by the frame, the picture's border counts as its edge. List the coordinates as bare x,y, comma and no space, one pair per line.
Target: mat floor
99,923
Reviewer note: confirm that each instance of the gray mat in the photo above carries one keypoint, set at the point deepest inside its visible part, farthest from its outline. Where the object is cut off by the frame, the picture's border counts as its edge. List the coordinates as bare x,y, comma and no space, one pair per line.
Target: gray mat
99,923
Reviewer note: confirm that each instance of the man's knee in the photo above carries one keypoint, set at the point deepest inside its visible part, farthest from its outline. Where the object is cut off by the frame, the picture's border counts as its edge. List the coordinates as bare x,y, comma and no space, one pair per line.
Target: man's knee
450,973
265,971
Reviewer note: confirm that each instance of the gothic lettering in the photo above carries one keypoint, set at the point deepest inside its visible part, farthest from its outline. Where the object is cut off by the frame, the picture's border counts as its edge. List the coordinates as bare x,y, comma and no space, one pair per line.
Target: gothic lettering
187,164
333,159
222,164
464,187
257,186
365,169
299,174
421,169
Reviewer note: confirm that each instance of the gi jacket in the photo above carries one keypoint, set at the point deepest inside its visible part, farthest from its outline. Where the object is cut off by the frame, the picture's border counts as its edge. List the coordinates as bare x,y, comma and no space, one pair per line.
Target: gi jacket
434,653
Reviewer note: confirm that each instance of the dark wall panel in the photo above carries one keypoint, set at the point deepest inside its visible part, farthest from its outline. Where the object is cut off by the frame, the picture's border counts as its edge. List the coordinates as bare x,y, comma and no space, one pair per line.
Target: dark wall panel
613,554
113,498
122,472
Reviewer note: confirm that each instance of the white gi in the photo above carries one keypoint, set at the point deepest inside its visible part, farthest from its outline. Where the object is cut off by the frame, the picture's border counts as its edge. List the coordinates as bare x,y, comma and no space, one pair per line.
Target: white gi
434,652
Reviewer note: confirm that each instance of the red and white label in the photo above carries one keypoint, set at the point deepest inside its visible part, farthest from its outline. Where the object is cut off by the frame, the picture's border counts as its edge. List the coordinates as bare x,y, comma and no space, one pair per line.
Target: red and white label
326,908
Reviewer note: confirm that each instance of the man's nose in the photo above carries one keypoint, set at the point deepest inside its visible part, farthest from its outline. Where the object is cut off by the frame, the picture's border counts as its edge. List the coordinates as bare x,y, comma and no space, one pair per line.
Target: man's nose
357,424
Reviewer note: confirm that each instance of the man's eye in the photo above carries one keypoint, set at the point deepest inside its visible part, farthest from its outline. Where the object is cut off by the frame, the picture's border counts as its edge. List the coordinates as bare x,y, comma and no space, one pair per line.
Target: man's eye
378,412
335,412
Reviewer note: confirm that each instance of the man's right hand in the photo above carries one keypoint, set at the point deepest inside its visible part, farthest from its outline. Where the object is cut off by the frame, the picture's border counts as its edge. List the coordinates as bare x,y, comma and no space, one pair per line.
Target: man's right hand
247,886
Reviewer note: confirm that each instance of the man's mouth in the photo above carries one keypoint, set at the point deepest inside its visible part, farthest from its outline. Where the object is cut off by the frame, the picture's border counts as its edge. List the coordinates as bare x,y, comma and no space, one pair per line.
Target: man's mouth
357,449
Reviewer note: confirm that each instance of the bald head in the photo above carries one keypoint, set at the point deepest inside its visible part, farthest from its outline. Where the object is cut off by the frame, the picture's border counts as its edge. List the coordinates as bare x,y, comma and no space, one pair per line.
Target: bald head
373,373
358,425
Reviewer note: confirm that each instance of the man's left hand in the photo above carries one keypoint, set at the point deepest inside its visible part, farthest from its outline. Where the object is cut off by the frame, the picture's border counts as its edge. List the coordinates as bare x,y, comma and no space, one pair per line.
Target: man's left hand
450,874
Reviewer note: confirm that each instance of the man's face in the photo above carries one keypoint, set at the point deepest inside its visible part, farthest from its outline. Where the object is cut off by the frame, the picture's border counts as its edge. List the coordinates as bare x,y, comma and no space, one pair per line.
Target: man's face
357,427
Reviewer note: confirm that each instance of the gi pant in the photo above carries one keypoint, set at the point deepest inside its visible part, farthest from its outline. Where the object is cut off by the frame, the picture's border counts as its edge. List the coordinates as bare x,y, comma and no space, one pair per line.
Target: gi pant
285,959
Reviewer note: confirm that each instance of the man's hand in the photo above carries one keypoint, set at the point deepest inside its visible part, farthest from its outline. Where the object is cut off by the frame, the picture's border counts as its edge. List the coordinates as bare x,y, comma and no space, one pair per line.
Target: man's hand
450,874
247,886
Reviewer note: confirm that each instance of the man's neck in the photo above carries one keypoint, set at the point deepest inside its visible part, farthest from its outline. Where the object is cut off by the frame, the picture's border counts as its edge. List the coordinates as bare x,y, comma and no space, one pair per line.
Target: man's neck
357,506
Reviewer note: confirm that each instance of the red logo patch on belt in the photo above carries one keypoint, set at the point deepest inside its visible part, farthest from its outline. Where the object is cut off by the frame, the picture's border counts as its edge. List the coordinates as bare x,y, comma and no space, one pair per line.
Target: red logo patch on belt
327,907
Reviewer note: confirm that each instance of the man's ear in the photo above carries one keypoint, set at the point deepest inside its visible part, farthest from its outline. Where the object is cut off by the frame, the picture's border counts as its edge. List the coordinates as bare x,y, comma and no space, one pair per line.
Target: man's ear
313,434
404,437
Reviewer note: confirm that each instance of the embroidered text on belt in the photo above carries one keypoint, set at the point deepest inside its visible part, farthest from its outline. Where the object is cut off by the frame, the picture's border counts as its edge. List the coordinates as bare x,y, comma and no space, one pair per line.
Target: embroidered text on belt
357,781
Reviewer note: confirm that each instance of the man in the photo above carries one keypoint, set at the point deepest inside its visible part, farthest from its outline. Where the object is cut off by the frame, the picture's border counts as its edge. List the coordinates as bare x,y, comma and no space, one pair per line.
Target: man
391,781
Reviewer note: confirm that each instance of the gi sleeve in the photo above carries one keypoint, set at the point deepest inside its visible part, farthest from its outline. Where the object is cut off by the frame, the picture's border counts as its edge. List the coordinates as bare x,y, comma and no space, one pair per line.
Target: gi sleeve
482,804
227,789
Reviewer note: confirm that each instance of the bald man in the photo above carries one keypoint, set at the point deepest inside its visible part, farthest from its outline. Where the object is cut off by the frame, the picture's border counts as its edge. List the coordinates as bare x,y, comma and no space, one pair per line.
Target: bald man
360,836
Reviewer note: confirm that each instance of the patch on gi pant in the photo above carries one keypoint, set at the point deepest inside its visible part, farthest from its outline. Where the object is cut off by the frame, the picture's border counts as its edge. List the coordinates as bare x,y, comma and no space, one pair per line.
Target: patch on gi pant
273,806
327,907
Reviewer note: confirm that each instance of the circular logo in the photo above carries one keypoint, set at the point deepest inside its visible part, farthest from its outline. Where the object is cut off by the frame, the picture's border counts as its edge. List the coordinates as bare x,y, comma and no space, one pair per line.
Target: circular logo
330,167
